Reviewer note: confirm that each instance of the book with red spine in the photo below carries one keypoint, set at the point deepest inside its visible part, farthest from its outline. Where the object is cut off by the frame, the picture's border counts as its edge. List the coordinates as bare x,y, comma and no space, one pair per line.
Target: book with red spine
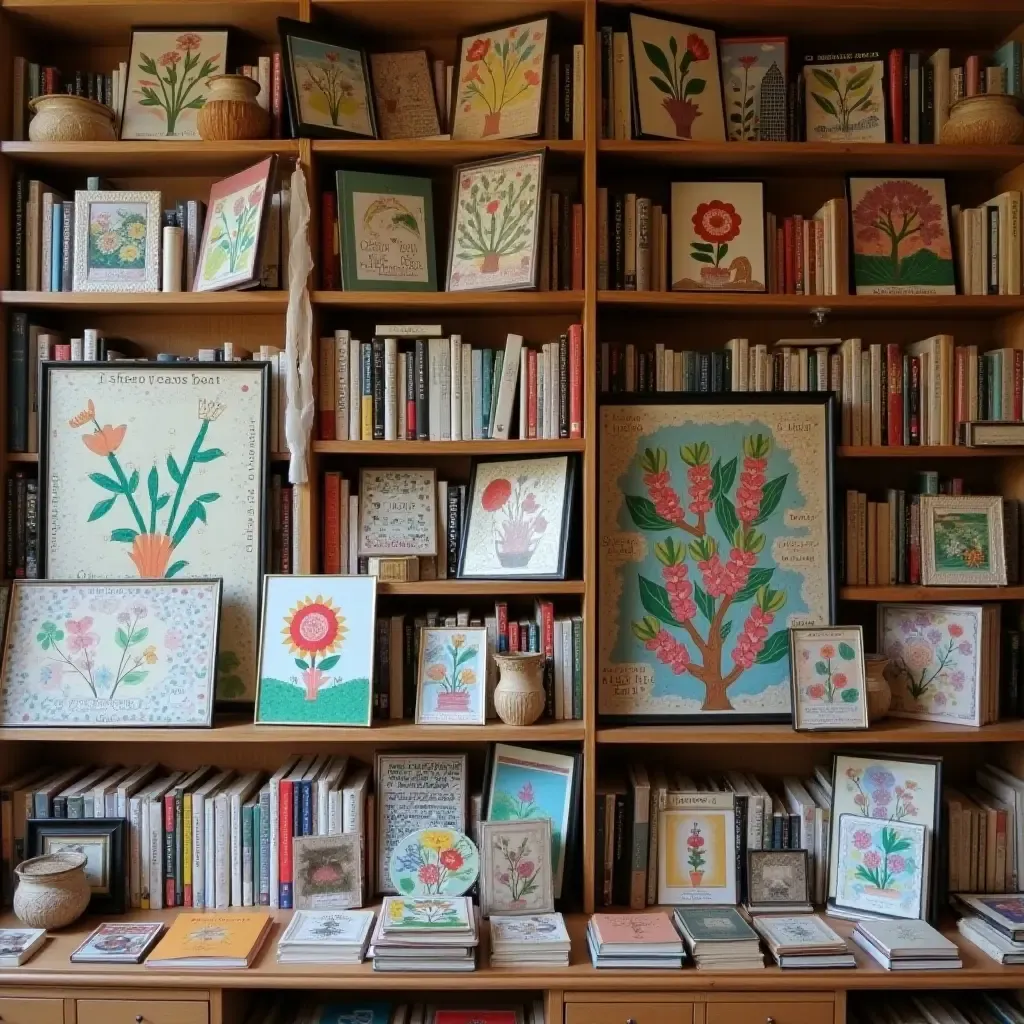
896,94
799,257
894,403
780,261
284,842
501,616
914,401
531,394
544,613
170,841
575,380
972,76
51,81
810,256
577,247
328,233
789,261
513,637
326,394
276,94
1018,384
332,523
62,353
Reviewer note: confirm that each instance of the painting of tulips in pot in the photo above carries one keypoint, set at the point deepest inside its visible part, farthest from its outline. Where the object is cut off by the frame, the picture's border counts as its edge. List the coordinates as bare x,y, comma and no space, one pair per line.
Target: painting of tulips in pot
452,676
715,539
698,862
316,650
157,473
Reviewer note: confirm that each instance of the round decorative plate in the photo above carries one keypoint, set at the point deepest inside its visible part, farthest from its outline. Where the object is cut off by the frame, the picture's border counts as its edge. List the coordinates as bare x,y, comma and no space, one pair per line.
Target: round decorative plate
434,862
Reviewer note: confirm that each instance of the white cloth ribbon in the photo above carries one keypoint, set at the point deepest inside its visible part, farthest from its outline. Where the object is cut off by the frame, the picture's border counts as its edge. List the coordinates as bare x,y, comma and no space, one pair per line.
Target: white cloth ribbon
299,412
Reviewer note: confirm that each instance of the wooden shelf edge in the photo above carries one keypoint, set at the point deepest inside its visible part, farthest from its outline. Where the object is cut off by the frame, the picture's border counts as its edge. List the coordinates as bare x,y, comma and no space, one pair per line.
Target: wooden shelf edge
926,451
482,588
906,592
183,303
515,446
498,301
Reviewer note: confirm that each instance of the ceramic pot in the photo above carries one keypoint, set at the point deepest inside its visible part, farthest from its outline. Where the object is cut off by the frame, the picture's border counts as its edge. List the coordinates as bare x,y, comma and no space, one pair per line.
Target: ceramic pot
519,695
52,890
879,691
715,277
231,111
62,118
986,120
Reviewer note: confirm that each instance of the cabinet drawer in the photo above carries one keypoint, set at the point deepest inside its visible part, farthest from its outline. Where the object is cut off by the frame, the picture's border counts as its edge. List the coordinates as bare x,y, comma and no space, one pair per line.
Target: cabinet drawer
633,1013
142,1011
770,1011
32,1011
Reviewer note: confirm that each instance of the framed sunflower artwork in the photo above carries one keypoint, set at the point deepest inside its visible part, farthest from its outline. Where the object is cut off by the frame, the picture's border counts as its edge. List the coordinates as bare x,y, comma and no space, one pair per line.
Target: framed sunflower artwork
316,650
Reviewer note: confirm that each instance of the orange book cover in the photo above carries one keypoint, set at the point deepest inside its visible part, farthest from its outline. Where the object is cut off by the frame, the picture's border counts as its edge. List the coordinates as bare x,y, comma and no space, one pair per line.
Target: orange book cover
217,936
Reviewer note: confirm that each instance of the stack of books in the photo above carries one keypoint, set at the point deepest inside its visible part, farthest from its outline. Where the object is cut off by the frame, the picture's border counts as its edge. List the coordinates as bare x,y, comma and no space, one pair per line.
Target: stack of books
326,937
19,944
425,934
537,940
634,941
212,941
719,939
803,941
907,945
993,924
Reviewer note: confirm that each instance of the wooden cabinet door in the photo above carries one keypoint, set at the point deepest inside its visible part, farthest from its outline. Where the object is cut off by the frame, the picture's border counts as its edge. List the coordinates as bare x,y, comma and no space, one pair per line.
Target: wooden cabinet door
142,1011
629,1013
32,1011
770,1011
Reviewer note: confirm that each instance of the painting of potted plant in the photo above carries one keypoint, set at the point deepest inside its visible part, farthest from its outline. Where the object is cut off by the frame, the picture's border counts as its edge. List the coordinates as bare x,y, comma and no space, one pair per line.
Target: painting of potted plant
828,675
697,860
881,866
452,675
434,862
745,62
845,101
516,867
695,855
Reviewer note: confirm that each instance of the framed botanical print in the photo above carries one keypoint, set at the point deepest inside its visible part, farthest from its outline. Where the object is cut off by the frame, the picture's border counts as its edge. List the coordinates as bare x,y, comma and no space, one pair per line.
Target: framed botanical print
397,512
156,473
515,867
117,241
103,842
962,541
403,94
754,83
452,676
844,98
826,668
500,82
715,513
328,872
697,851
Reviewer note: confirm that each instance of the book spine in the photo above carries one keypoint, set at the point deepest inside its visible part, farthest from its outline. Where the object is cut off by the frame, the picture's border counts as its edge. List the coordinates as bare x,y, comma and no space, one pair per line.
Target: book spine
454,521
284,850
17,383
378,389
168,871
67,246
422,418
366,389
264,838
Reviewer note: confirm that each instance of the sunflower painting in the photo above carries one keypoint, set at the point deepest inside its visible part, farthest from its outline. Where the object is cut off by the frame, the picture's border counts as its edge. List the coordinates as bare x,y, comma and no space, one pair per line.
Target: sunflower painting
316,650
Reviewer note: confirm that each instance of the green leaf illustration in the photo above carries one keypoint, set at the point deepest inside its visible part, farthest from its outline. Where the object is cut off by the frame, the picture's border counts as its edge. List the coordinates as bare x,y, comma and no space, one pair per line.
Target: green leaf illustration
661,85
101,508
209,455
725,513
208,497
776,648
329,663
139,635
757,578
122,535
106,482
821,668
644,516
846,652
703,246
153,484
824,103
702,257
172,468
133,482
826,78
694,87
770,498
860,79
850,696
654,598
725,630
705,602
175,567
121,638
302,664
134,677
406,884
658,59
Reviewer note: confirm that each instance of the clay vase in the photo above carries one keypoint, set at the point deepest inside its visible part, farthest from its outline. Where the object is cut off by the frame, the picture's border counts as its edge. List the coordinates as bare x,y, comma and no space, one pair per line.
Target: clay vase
62,118
519,695
52,890
879,691
231,111
985,120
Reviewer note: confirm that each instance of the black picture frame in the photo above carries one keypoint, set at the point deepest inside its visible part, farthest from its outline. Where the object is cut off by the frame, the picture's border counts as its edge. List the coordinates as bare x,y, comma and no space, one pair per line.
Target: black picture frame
287,29
827,400
564,524
113,831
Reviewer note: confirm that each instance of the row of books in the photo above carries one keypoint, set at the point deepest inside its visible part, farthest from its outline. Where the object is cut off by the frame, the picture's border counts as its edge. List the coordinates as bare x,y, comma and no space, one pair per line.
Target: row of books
978,841
979,1007
443,389
809,255
993,924
988,244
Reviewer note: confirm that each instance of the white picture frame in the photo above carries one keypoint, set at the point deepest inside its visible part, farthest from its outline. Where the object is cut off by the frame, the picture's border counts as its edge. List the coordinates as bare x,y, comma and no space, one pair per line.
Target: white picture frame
697,851
397,511
956,530
116,241
828,679
451,676
516,876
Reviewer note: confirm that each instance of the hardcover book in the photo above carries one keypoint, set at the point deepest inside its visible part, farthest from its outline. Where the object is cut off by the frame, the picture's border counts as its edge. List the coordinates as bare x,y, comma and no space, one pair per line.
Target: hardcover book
118,943
218,940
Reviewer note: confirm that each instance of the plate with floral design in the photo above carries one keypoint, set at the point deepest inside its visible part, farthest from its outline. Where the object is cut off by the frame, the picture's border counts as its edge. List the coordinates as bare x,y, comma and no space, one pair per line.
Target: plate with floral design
434,862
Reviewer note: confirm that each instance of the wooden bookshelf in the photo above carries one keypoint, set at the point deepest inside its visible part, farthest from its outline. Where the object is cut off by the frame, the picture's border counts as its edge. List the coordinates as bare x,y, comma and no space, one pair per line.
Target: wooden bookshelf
907,593
932,451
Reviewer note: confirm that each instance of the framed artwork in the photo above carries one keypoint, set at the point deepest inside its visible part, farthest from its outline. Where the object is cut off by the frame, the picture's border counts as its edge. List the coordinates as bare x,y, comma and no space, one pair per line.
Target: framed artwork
718,236
935,660
160,473
494,243
697,854
235,229
881,866
962,541
434,862
117,241
451,676
386,223
827,676
327,83
397,513
403,95
900,236
415,914
844,99
695,627
124,653
747,64
517,520
169,72
316,650
328,872
676,89
887,789
501,81
103,841
777,880
515,867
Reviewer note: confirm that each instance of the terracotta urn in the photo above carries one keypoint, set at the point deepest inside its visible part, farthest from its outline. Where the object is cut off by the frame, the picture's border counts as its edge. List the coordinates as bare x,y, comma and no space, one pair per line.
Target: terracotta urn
52,891
519,695
63,118
985,120
879,691
231,111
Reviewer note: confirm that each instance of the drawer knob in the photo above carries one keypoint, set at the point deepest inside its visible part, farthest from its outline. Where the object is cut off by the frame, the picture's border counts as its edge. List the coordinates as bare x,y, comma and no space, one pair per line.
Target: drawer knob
138,1018
769,1020
629,1020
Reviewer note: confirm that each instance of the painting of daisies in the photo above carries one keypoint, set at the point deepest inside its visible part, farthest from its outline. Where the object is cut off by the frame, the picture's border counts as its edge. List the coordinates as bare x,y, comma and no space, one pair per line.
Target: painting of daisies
117,241
316,650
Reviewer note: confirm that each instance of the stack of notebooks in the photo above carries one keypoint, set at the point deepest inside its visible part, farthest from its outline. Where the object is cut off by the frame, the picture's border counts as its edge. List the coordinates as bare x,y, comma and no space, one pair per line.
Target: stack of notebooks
537,940
425,934
326,937
719,939
907,945
803,941
995,924
215,941
634,941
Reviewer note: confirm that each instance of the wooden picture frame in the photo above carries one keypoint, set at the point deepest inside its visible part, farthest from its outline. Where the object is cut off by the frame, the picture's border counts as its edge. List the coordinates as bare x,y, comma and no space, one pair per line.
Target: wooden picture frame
116,225
828,678
393,75
965,531
104,842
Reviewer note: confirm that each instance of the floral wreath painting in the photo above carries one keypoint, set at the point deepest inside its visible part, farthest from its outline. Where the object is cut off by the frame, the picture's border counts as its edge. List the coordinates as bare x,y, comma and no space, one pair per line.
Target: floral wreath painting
715,539
845,102
516,876
935,659
518,520
718,244
316,650
153,474
452,676
169,74
434,862
496,219
698,864
744,64
499,86
901,237
676,85
828,677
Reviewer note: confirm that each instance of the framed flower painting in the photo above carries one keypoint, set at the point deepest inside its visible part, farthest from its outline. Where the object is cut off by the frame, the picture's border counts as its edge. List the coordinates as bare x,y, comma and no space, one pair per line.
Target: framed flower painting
962,541
844,99
515,873
434,862
754,81
827,674
403,92
452,676
697,854
117,241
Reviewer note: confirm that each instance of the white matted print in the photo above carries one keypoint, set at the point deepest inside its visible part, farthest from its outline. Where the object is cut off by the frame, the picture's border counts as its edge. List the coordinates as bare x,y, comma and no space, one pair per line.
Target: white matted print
452,676
826,671
116,241
697,855
844,101
397,512
158,472
516,874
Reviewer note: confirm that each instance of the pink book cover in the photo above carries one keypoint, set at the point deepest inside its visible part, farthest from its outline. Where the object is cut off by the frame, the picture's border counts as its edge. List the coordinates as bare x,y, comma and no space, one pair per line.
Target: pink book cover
635,929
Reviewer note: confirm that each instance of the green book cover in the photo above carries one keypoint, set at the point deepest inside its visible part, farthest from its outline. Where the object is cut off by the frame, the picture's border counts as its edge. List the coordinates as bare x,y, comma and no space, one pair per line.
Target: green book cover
714,924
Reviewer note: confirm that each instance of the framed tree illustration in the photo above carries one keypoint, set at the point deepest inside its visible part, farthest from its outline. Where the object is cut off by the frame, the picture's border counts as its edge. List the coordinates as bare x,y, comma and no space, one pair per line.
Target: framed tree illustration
715,515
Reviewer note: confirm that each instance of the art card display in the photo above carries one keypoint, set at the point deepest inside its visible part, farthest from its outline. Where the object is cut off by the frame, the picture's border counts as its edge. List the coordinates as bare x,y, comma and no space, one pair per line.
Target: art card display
328,872
397,512
542,929
316,650
800,932
412,914
716,537
414,792
676,89
335,928
104,844
500,82
169,72
403,93
881,866
828,678
386,223
718,236
117,241
745,63
900,234
844,100
434,862
494,244
517,520
124,654
962,541
117,943
153,471
452,676
697,853
777,879
516,875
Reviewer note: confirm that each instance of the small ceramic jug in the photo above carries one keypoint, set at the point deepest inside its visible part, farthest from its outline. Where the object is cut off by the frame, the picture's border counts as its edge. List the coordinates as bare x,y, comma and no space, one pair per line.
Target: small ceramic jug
879,691
519,695
989,119
52,890
62,118
231,110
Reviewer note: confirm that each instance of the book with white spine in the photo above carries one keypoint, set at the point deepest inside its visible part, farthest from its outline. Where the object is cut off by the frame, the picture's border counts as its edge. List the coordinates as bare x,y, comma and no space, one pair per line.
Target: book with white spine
455,389
241,792
391,389
328,780
341,382
467,393
199,798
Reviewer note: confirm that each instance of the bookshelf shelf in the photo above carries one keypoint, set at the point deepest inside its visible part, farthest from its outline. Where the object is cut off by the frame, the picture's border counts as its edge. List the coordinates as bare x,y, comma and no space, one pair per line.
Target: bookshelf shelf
29,457
181,303
444,152
481,588
927,451
443,302
904,592
412,449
